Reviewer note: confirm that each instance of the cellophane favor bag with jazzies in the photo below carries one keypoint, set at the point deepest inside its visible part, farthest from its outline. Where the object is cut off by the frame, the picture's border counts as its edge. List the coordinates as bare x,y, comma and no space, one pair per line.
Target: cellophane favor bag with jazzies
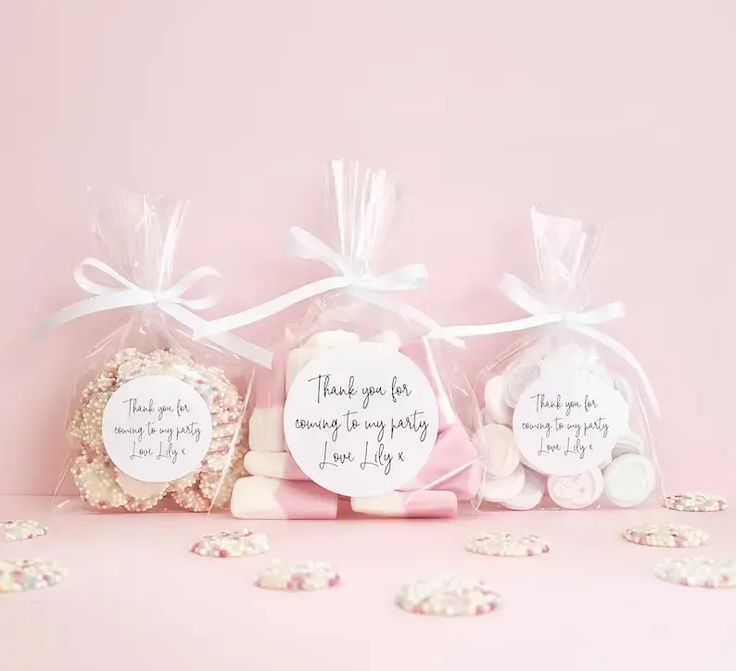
155,417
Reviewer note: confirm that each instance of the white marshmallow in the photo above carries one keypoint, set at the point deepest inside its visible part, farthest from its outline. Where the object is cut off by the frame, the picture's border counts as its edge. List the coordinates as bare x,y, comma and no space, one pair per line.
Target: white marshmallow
297,359
257,498
429,503
391,339
608,459
628,443
572,355
497,448
332,338
517,379
273,465
266,429
629,480
576,491
496,409
530,495
600,370
500,489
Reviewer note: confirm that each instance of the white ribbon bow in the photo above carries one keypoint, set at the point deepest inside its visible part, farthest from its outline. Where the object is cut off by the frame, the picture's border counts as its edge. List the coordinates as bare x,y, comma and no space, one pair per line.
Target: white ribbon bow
543,314
371,288
172,301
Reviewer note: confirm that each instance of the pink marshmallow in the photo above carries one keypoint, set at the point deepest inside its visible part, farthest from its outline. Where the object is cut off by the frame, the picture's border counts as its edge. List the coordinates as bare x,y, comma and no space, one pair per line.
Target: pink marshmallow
265,424
273,465
431,503
453,449
259,498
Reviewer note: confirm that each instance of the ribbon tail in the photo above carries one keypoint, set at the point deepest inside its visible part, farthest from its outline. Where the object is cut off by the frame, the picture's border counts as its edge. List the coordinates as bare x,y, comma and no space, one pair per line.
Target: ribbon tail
113,301
225,341
208,328
443,478
243,348
625,354
306,245
409,313
468,330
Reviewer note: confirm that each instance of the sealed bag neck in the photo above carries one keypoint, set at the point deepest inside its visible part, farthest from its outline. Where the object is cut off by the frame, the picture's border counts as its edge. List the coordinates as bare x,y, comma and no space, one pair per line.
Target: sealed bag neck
564,249
362,202
139,234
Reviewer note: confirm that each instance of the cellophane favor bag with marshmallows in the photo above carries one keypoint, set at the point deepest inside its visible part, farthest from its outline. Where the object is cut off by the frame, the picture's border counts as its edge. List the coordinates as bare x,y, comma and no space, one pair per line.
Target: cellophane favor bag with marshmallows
155,417
562,419
358,412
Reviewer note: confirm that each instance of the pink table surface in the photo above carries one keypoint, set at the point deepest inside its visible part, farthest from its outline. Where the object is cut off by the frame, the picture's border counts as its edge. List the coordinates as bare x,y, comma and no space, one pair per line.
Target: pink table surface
137,599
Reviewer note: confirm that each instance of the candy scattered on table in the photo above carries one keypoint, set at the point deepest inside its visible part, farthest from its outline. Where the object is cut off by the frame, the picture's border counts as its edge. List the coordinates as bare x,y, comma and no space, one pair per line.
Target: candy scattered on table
302,577
698,572
448,597
239,543
21,530
103,486
666,535
695,502
505,544
22,575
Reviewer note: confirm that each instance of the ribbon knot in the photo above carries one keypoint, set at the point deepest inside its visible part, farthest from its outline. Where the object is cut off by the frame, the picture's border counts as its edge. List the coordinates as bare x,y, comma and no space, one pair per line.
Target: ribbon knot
544,314
375,289
173,301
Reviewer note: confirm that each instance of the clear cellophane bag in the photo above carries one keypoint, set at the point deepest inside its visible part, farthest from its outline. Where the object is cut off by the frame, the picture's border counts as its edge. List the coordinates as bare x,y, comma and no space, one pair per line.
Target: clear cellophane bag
562,419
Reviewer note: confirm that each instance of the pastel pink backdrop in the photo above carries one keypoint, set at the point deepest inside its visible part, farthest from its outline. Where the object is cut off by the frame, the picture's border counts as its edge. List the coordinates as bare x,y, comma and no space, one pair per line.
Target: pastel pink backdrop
619,112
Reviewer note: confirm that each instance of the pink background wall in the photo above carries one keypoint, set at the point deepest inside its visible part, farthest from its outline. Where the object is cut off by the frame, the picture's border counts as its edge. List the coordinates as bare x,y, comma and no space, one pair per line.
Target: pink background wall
620,112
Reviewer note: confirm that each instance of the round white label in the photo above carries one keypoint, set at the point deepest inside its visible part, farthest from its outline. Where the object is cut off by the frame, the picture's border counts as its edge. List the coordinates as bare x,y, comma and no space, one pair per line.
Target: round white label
156,428
568,421
361,420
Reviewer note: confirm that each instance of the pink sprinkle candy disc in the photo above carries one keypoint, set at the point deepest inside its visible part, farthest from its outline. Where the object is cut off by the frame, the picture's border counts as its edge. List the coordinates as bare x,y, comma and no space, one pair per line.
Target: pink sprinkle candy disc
240,543
298,577
504,544
698,572
21,530
23,575
666,535
695,502
448,597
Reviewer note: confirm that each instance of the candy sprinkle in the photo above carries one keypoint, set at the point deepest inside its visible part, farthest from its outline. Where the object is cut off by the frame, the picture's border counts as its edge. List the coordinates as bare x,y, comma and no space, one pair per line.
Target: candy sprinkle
505,544
698,572
448,597
21,530
239,543
298,577
666,535
695,502
22,575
